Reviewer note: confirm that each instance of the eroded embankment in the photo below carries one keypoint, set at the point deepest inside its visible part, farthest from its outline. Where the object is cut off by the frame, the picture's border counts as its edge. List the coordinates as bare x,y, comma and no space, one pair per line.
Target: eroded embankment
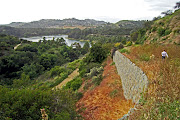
106,101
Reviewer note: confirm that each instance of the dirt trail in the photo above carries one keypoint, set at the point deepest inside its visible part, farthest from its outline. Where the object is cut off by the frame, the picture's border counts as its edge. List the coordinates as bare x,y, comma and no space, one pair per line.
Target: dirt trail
70,77
106,101
17,46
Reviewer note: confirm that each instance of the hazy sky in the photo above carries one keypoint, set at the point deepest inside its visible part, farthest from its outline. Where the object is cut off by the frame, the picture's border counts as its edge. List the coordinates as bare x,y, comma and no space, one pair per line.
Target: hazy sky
107,10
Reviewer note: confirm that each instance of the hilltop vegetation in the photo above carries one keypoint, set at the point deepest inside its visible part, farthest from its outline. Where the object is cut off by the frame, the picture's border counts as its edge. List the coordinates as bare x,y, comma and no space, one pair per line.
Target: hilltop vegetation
54,23
163,30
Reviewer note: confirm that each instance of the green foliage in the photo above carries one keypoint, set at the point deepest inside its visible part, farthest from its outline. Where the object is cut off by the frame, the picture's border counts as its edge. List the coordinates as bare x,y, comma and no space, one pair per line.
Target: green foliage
85,68
97,54
168,110
56,71
33,58
167,32
48,60
62,76
134,36
22,82
24,103
27,47
96,75
74,84
73,65
94,72
113,63
161,31
139,36
64,104
64,115
118,46
129,43
86,48
154,29
32,70
97,79
113,93
124,51
144,57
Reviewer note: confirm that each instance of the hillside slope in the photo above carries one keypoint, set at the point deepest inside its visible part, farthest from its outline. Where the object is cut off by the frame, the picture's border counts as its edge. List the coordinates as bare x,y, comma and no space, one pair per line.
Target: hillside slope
165,30
105,101
161,101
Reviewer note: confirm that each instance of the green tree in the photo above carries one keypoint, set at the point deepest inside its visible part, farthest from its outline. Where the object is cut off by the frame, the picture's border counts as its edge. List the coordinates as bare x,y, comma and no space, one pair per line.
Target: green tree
48,60
86,46
97,54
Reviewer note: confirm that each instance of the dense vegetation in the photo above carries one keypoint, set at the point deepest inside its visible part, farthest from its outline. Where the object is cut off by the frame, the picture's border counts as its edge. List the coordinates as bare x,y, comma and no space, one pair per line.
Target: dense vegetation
30,71
33,58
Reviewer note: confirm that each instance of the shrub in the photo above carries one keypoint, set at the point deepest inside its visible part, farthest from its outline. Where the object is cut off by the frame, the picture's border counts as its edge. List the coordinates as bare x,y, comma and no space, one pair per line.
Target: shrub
94,72
119,45
129,43
167,32
85,68
97,79
161,23
56,71
154,29
144,57
161,31
124,51
74,84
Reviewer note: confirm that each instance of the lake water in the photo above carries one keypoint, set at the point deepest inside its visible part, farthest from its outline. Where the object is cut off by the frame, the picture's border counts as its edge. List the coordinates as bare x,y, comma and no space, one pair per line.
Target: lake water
50,37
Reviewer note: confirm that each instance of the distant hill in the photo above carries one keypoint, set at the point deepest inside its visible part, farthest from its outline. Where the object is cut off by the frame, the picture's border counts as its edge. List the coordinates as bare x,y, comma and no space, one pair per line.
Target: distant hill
130,24
56,23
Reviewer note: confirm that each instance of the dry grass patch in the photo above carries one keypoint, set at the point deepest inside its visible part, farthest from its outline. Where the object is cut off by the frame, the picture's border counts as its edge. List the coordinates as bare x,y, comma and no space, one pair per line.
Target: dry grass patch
162,100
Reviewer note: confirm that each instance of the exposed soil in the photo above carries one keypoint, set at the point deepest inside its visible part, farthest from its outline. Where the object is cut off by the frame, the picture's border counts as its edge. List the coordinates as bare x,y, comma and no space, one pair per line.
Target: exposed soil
106,101
17,46
70,77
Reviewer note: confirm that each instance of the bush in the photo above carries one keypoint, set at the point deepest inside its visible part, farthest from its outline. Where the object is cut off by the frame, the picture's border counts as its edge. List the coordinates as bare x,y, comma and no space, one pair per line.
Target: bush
97,79
144,57
94,72
129,43
97,54
167,32
124,51
85,68
56,71
154,29
118,46
75,84
161,31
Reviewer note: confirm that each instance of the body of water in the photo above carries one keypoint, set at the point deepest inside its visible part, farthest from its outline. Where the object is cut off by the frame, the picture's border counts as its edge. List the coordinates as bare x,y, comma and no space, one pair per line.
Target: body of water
50,37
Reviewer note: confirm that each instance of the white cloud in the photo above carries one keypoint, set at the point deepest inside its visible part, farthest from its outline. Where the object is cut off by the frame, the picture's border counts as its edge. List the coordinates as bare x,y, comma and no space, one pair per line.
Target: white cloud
109,10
